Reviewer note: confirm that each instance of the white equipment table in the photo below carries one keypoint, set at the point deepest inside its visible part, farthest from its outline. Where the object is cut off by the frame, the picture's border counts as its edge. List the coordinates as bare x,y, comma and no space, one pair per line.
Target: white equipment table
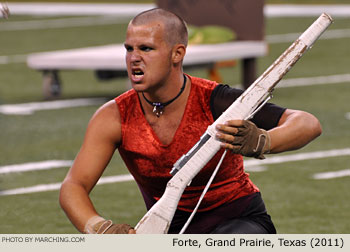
112,58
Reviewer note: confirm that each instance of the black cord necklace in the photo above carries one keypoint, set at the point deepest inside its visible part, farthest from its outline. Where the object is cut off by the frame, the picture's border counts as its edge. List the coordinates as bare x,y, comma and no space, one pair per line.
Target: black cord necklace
158,107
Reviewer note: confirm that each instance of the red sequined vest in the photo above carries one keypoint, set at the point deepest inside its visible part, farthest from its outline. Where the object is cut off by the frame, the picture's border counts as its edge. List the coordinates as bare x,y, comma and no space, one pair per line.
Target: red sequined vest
150,161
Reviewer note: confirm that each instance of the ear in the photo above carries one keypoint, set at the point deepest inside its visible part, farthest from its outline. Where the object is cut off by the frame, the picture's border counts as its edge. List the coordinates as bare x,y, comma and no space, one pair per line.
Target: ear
178,53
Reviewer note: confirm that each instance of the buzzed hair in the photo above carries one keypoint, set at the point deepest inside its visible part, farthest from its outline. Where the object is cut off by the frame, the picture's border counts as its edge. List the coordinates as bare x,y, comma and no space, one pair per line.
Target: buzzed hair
175,26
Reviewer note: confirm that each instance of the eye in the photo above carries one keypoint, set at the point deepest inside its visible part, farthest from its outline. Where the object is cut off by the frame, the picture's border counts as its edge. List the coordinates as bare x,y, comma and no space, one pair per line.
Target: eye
146,48
128,48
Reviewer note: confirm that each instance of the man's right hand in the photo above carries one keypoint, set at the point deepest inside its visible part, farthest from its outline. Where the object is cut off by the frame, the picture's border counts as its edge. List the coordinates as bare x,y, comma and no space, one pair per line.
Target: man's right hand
107,227
98,225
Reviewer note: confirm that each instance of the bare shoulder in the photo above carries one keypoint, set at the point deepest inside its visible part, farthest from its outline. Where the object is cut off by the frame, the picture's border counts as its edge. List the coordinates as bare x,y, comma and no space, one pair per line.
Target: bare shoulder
106,122
109,110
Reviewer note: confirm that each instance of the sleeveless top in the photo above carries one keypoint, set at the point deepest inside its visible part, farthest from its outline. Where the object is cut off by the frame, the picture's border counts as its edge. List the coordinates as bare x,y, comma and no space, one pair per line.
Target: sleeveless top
150,161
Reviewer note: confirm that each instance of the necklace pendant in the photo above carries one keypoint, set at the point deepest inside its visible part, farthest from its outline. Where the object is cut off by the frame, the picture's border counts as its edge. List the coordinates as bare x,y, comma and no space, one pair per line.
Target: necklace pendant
159,106
158,110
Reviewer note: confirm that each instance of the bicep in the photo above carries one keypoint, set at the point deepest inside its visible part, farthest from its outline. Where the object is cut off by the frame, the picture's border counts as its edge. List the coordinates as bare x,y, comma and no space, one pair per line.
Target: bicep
295,129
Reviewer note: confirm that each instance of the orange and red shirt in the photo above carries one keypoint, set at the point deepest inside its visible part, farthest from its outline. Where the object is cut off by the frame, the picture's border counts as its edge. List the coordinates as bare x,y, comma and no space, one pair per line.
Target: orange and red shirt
150,161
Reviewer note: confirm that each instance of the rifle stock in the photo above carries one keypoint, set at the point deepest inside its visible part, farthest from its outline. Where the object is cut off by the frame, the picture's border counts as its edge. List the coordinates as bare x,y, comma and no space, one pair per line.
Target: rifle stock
159,217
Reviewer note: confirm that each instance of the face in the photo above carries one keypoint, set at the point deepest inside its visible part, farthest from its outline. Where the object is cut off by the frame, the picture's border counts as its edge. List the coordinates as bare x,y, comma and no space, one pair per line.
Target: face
148,56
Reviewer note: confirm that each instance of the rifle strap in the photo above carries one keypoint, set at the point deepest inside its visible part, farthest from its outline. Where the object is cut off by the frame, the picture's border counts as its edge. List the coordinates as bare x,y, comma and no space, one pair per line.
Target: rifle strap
203,193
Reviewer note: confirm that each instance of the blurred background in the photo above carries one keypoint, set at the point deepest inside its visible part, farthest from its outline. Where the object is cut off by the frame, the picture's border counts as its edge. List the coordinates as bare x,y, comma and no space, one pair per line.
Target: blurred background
44,109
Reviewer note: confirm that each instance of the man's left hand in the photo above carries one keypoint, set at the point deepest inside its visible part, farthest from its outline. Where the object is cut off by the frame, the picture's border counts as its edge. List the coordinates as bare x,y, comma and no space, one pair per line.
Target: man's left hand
244,137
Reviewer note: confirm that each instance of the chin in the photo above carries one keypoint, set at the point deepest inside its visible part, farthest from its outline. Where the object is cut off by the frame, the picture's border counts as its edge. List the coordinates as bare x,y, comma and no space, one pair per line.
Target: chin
138,87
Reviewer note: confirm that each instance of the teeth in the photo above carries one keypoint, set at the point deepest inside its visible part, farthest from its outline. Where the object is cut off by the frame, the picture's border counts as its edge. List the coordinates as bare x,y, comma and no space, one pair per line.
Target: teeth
138,72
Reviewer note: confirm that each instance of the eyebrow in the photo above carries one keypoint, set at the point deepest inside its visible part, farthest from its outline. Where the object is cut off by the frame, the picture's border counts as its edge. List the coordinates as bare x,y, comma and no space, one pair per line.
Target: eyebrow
139,46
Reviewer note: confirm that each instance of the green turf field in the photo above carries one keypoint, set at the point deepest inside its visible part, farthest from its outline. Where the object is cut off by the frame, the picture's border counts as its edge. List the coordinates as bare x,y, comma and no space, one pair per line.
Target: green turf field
297,202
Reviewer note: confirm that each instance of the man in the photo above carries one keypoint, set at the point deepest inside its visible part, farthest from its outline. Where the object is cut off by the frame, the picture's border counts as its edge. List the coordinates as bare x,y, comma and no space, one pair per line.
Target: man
160,119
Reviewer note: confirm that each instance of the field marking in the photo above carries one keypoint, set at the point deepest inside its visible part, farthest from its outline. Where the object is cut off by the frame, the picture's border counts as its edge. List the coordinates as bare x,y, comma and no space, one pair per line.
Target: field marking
298,157
306,10
254,168
60,23
9,59
74,9
330,175
57,186
35,166
311,81
250,165
347,115
290,37
130,10
30,108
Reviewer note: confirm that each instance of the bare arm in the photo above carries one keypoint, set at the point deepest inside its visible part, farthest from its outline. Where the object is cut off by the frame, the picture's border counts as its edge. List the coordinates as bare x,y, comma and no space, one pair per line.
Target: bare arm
295,129
102,136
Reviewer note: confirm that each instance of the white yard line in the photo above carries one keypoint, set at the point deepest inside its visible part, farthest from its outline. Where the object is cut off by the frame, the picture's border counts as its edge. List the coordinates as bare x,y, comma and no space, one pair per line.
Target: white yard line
74,9
35,166
331,175
311,81
290,37
60,23
347,115
32,189
57,186
251,165
17,58
305,10
130,10
254,168
297,157
30,108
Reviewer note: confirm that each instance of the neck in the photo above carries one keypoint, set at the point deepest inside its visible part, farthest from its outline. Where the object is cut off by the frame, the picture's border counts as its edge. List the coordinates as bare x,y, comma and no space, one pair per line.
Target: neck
167,89
159,106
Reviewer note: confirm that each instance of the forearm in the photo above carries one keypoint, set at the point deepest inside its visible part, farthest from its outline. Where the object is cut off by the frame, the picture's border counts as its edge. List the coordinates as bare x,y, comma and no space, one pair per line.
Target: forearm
76,203
295,130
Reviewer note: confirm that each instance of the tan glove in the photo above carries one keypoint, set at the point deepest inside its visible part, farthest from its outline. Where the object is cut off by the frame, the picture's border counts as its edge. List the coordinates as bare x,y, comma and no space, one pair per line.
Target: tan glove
248,139
98,225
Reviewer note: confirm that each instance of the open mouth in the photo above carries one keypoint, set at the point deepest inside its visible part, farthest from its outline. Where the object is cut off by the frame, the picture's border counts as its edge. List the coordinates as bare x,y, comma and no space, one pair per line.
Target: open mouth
137,74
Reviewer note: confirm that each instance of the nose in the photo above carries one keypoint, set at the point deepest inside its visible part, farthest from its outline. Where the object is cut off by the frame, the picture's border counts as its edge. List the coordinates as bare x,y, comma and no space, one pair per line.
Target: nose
134,56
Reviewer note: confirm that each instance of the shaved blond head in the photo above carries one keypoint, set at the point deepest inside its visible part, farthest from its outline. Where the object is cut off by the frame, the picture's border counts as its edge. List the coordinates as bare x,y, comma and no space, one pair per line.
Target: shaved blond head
175,27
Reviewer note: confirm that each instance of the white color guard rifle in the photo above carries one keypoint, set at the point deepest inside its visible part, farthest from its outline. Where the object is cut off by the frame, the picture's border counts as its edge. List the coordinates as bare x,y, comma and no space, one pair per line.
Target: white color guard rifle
158,219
